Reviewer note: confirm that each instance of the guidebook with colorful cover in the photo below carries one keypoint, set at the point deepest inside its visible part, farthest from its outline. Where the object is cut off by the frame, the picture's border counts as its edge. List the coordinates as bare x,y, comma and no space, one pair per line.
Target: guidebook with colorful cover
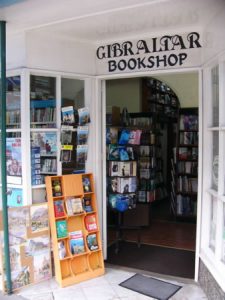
76,241
67,115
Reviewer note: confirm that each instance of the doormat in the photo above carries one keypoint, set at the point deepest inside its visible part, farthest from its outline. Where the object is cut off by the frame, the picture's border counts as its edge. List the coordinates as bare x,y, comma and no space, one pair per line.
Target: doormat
151,287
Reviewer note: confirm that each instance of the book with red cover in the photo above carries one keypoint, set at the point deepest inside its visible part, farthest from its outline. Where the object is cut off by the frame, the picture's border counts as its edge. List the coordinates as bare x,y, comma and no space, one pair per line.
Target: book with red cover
91,223
59,208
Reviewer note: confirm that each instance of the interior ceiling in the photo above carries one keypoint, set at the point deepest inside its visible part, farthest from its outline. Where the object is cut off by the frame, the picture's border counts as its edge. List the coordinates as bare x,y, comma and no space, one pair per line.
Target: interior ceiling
105,20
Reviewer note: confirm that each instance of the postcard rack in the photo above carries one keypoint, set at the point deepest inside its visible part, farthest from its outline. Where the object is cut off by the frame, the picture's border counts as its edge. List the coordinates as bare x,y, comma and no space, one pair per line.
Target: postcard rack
74,225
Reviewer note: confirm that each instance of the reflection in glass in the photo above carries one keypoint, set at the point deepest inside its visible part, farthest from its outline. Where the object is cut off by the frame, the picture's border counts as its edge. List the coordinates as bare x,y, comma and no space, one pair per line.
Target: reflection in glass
14,158
72,98
13,109
213,219
223,242
42,102
215,95
215,160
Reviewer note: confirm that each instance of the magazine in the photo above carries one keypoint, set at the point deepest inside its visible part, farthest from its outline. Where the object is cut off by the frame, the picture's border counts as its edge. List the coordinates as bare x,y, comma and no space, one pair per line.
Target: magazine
67,115
82,135
84,116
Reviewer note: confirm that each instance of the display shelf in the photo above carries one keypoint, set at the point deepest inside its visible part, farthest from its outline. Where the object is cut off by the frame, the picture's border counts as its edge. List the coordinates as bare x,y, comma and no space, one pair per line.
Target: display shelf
77,254
186,178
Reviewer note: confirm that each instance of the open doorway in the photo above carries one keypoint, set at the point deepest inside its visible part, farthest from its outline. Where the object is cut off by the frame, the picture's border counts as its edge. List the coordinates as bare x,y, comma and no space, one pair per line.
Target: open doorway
152,151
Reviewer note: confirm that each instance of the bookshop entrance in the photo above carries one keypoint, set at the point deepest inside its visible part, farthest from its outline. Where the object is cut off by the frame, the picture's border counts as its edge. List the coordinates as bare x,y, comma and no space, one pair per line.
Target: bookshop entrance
152,172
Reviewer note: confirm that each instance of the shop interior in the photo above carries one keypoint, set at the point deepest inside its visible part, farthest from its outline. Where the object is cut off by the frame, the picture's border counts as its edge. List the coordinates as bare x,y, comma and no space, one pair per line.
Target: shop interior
152,172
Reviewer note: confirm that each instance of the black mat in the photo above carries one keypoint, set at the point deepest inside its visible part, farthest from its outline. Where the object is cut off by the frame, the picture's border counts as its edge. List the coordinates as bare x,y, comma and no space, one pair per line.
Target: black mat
151,287
155,259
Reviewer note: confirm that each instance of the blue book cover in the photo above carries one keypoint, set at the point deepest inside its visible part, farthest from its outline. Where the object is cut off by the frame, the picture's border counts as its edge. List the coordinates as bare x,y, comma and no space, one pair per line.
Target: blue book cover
15,197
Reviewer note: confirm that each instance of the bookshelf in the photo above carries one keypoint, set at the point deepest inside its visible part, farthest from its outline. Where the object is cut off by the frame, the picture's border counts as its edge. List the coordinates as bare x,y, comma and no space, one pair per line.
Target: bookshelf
159,99
187,164
74,228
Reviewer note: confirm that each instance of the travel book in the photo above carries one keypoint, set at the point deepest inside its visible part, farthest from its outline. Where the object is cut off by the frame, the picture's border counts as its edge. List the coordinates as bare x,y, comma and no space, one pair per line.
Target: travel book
61,249
74,206
61,228
81,154
92,242
68,115
76,242
66,153
82,135
66,134
91,223
86,184
84,116
59,208
87,204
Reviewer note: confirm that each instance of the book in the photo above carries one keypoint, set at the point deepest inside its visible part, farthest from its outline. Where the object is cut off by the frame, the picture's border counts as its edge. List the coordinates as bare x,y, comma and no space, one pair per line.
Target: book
69,208
61,228
135,137
67,115
86,184
47,141
91,223
59,208
87,204
82,135
113,152
56,188
14,197
81,154
66,153
92,242
124,137
61,249
76,242
66,134
84,116
77,205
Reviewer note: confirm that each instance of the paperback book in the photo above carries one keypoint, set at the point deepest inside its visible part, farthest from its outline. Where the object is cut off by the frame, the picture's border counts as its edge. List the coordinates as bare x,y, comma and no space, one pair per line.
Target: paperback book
124,137
67,115
91,223
76,242
87,204
84,116
61,228
92,242
82,135
66,134
135,137
59,208
86,184
61,249
74,206
66,153
81,154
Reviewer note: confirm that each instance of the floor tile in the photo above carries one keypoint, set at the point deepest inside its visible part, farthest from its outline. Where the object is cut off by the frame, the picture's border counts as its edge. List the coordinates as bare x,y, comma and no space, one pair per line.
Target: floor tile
69,294
190,292
104,292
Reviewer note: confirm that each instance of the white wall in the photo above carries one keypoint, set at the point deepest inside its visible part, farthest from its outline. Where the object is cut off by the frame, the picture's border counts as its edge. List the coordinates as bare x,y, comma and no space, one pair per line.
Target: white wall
59,54
213,35
15,51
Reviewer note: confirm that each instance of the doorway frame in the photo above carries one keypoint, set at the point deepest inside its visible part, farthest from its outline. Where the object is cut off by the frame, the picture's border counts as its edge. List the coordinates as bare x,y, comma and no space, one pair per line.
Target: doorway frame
100,85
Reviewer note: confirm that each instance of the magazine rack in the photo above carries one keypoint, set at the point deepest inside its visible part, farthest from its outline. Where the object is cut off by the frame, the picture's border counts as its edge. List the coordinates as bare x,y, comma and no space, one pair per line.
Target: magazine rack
72,268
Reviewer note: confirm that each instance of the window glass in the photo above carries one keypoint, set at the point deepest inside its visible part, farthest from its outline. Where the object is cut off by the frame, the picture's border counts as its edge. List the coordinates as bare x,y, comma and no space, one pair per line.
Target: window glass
223,241
13,109
213,219
215,96
215,159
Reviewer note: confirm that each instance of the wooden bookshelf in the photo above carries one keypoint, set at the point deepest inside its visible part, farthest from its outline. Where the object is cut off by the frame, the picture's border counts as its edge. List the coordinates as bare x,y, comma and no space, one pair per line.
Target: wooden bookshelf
82,265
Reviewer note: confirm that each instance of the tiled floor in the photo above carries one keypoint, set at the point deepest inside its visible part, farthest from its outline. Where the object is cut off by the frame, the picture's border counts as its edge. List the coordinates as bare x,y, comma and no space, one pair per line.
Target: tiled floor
106,288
